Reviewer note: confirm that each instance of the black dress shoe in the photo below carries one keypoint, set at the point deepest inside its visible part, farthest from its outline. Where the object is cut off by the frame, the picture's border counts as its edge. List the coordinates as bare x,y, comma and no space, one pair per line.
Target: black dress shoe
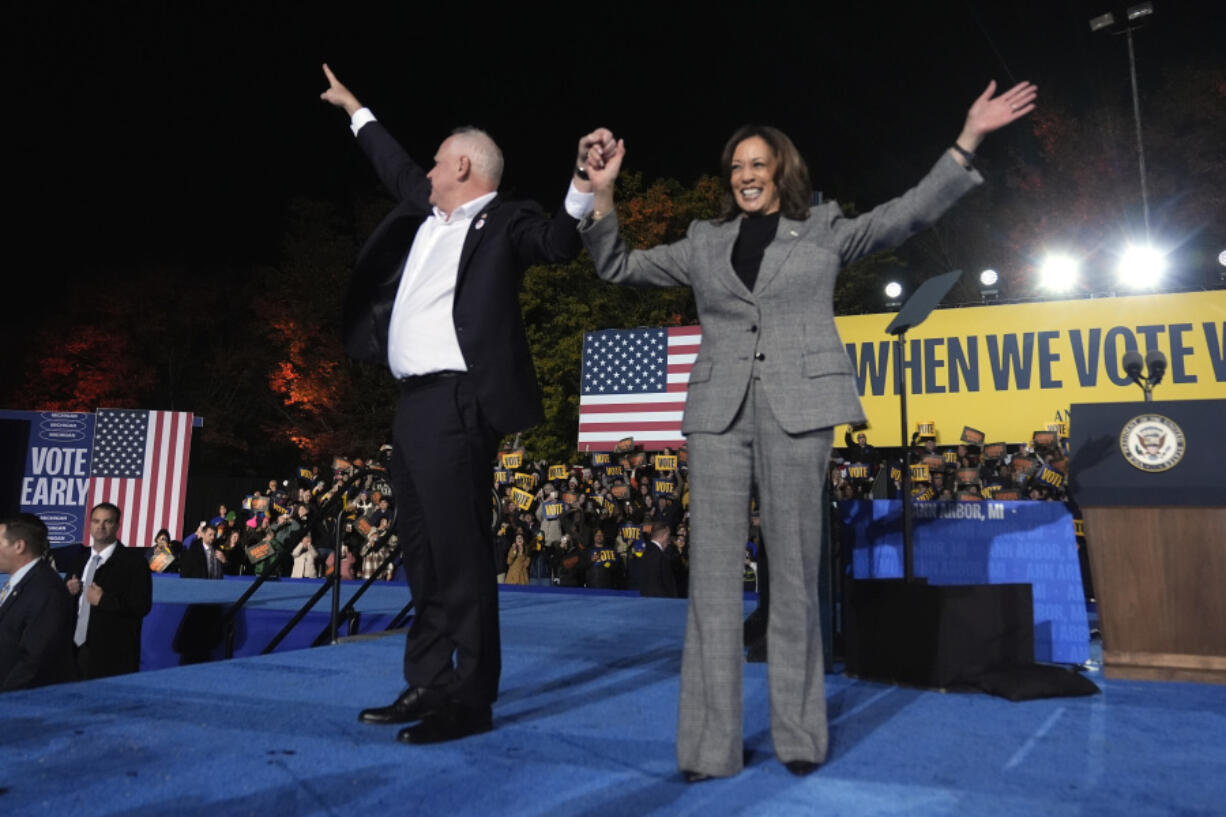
800,768
451,721
412,705
695,777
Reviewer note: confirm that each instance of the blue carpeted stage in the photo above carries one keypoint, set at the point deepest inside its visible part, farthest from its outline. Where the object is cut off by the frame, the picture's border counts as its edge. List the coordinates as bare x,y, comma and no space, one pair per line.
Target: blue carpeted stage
585,727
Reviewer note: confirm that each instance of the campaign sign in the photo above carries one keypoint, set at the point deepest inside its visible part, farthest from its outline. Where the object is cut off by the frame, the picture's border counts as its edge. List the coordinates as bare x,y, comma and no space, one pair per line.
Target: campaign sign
983,543
55,481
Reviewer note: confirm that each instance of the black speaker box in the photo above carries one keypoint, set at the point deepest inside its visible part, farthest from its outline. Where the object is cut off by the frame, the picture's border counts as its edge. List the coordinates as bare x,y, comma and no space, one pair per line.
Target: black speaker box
937,635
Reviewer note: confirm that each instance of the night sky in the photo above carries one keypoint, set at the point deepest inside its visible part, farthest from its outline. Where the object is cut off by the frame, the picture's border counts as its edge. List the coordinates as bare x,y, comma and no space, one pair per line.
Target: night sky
176,132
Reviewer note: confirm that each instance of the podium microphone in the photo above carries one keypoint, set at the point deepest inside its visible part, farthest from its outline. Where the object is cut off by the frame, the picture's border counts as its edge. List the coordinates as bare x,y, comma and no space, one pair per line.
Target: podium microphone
1132,364
1155,361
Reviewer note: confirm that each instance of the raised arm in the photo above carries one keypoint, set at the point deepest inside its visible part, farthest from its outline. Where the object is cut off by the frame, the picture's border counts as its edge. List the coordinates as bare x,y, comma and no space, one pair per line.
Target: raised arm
988,113
338,95
402,177
667,265
892,223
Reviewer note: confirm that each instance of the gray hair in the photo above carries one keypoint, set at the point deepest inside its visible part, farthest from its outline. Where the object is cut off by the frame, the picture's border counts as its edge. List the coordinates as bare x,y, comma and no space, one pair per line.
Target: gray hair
482,151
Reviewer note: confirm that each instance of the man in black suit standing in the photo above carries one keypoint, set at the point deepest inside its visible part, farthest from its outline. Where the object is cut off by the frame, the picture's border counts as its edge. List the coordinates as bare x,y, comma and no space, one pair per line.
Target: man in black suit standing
435,297
35,610
114,591
658,570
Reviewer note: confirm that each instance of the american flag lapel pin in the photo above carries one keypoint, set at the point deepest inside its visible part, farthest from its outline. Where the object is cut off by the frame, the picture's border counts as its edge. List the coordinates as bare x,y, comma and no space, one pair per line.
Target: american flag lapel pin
480,222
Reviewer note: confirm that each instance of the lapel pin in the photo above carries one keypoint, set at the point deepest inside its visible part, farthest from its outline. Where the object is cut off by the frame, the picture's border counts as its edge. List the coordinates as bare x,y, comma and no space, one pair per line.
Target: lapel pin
793,233
480,222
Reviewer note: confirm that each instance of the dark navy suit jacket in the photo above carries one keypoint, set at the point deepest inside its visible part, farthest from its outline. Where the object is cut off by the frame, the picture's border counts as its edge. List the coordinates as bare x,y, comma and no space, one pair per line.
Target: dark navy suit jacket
36,624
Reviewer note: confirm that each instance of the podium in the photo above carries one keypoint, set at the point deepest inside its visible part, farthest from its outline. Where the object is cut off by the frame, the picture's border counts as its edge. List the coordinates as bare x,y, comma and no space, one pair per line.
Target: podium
1151,483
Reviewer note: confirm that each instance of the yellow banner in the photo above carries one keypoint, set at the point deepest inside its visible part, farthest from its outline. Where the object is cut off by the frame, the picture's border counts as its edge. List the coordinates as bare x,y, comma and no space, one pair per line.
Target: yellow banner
1017,367
666,462
557,471
525,481
512,460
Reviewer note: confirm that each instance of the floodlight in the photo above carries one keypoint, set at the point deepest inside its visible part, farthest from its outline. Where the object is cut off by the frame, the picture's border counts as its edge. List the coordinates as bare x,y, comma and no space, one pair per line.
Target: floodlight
1058,273
1140,267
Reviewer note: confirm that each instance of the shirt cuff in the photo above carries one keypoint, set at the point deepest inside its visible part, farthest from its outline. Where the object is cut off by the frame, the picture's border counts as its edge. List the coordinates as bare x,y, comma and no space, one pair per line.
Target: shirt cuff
577,204
360,117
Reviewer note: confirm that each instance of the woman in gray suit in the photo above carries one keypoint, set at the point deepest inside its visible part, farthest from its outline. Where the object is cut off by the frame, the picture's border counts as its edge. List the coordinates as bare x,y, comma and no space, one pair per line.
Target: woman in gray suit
770,382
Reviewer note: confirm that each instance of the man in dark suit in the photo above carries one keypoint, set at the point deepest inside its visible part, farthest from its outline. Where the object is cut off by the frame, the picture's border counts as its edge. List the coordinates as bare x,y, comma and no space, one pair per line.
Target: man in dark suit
658,569
35,610
202,560
114,591
435,297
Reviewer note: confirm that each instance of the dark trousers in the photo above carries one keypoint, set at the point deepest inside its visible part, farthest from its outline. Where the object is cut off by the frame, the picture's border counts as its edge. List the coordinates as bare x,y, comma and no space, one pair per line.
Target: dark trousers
442,476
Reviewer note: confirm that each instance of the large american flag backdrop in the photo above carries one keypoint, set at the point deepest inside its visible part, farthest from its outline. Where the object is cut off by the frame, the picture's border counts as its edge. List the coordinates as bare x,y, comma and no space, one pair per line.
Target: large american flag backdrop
139,463
633,384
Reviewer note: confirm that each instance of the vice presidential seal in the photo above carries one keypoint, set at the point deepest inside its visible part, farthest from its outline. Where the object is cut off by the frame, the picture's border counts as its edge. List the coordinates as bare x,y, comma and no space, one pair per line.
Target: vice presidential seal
1152,442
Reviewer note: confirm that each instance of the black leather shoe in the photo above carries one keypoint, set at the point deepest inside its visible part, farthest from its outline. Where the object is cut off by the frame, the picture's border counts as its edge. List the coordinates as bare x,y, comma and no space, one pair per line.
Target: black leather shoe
450,721
695,777
412,705
800,768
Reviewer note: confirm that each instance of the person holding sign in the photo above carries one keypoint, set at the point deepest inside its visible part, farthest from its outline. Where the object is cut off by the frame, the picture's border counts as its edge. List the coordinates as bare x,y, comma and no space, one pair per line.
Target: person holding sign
770,382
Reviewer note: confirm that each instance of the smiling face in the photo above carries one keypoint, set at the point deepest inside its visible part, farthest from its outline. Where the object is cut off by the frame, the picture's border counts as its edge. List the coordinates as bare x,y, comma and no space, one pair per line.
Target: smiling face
754,168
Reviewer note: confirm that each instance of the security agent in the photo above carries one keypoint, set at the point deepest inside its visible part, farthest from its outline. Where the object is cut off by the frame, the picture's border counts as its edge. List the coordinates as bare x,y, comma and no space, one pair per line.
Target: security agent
36,616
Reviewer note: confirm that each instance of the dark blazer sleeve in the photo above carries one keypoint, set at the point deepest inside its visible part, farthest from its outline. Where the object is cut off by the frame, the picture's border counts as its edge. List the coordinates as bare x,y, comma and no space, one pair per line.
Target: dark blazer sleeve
192,564
36,632
127,590
402,177
541,240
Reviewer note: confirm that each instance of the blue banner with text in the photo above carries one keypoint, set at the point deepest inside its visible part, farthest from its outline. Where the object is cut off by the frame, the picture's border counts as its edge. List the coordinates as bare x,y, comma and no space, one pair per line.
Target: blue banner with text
982,543
55,480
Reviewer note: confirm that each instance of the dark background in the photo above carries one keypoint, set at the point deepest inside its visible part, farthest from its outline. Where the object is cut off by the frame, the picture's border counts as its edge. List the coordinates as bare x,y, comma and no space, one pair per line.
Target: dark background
179,130
149,135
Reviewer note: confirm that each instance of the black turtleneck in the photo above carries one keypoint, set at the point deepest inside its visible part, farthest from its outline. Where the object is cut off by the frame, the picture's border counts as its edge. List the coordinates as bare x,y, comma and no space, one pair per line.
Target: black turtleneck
755,234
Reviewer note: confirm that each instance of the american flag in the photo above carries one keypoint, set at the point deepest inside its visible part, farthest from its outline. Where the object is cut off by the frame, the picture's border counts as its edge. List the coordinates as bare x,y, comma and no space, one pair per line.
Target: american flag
633,385
140,464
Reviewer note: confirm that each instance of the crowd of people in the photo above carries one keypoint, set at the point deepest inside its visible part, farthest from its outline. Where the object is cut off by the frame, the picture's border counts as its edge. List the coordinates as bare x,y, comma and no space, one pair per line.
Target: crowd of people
617,522
291,530
1033,470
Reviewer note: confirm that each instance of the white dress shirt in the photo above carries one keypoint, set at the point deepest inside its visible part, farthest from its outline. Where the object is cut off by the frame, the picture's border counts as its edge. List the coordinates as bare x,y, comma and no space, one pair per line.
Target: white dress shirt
103,555
422,338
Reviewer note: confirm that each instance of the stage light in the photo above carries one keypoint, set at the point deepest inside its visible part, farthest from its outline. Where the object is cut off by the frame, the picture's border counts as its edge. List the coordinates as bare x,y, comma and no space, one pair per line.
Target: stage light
1058,273
988,280
1139,10
1102,21
1140,267
893,295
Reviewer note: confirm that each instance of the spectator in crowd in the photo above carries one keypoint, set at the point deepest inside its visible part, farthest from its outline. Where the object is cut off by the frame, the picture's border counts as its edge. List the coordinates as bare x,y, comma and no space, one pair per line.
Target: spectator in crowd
347,563
502,550
572,562
518,559
36,611
202,560
604,569
304,556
